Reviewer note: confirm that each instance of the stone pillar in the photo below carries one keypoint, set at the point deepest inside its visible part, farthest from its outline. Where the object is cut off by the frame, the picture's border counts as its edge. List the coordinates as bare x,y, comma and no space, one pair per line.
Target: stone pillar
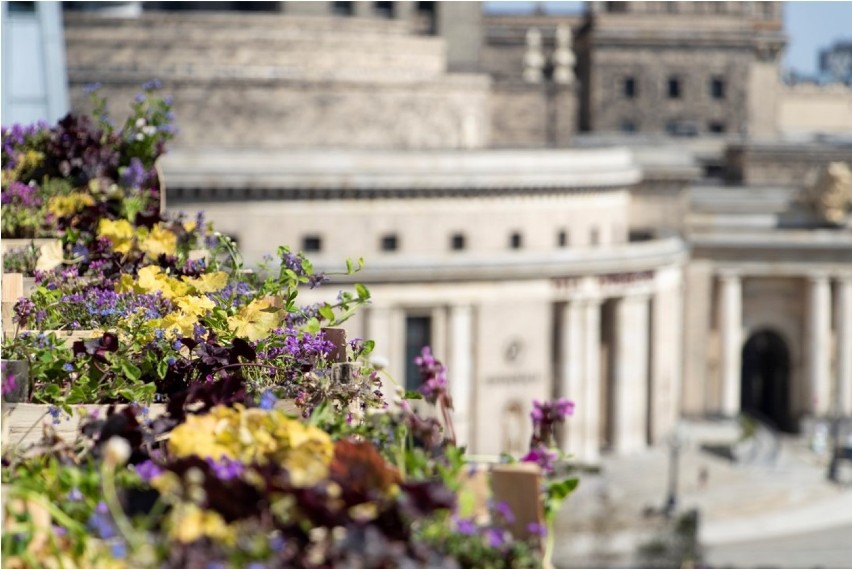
362,9
630,376
380,329
572,374
731,323
819,330
590,405
844,344
460,371
665,360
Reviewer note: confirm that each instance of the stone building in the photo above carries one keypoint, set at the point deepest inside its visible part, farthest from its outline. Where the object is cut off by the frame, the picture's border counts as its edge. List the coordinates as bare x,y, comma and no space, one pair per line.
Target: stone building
506,217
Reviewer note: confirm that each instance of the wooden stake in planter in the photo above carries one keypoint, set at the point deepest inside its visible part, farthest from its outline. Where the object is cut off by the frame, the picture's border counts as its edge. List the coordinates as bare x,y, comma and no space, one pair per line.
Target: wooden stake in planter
519,487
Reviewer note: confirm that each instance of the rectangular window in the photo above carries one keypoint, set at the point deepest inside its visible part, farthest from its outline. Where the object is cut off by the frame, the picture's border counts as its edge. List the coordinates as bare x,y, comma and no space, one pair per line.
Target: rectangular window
418,333
562,238
342,8
390,242
628,125
630,91
384,9
457,242
515,240
717,88
674,88
311,243
716,127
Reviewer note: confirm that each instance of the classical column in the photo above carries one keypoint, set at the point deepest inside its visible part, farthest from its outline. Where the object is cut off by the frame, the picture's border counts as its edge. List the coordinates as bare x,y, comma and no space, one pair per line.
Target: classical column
731,320
590,405
460,371
630,376
572,387
819,330
666,342
380,330
844,344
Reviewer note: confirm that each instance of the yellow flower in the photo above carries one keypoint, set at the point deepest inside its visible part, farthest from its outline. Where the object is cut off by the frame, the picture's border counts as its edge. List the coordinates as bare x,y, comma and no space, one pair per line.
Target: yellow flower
158,242
177,324
119,232
63,206
195,305
255,320
188,523
208,282
189,225
151,278
256,436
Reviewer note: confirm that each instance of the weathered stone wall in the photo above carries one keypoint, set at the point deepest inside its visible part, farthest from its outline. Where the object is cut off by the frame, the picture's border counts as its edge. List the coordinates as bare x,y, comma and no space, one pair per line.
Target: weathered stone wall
651,109
532,116
781,164
264,81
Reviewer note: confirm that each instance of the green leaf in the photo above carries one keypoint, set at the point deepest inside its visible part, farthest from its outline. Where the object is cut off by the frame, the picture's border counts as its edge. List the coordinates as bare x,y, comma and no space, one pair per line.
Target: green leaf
312,326
412,395
162,369
327,313
561,490
130,370
363,293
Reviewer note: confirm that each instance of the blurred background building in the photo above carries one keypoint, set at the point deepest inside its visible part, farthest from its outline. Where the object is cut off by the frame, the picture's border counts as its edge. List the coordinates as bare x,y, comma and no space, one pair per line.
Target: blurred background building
625,207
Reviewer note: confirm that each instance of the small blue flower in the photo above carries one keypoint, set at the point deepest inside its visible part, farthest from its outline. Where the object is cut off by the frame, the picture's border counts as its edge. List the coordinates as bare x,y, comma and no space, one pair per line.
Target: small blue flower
91,88
152,85
68,367
74,495
267,400
118,550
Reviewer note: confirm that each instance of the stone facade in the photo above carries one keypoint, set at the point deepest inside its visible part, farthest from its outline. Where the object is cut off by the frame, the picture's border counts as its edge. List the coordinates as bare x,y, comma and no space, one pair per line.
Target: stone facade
807,109
291,83
638,74
782,163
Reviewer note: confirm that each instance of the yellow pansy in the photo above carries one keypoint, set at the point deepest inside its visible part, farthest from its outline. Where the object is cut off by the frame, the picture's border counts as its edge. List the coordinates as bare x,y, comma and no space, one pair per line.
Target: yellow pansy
151,279
255,320
119,232
63,206
189,225
158,241
209,282
195,305
177,324
256,436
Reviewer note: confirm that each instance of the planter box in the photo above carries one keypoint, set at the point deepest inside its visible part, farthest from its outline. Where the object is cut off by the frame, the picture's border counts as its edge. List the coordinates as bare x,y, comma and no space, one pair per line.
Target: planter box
23,423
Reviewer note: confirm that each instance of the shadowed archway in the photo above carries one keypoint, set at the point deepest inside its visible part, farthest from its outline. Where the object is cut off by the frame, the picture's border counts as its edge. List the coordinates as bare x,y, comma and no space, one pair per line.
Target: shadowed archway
765,380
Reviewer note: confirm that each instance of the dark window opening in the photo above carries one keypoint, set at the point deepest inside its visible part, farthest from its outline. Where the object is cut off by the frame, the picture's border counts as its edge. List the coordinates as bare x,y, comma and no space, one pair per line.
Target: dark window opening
342,8
717,88
390,242
418,333
515,240
674,88
562,238
616,7
628,125
716,127
21,7
311,243
457,242
384,9
630,90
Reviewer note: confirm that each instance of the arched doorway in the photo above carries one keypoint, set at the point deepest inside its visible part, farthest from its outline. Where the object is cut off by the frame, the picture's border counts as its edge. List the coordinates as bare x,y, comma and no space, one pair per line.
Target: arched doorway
765,380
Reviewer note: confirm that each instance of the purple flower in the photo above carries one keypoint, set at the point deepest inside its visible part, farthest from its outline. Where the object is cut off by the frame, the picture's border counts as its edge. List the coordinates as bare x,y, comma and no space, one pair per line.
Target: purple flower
432,374
21,194
542,456
537,529
147,470
133,176
496,538
74,495
465,526
100,523
504,511
225,468
545,415
90,88
118,550
10,384
152,85
23,310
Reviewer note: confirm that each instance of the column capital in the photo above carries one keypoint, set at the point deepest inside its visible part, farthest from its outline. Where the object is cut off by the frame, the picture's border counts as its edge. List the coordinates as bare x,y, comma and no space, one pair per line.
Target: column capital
729,274
817,277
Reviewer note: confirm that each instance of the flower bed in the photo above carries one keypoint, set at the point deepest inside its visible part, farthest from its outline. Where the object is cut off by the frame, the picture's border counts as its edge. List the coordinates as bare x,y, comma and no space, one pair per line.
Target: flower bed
205,416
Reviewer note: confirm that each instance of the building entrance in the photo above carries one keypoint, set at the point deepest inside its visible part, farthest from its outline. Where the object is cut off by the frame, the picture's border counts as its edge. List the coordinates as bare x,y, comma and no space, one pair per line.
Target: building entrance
765,380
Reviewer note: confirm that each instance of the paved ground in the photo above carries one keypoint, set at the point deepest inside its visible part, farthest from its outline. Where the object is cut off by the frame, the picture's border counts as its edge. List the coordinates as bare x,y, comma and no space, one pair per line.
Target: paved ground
767,503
